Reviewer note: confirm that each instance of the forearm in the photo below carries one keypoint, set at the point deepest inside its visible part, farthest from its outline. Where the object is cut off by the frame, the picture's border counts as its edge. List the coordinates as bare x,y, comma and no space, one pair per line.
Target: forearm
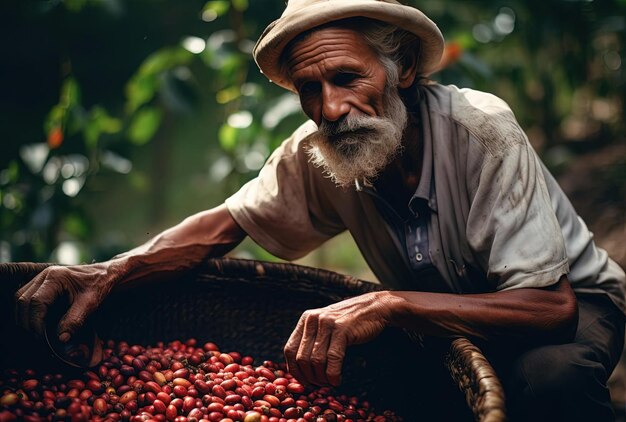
316,348
526,315
206,234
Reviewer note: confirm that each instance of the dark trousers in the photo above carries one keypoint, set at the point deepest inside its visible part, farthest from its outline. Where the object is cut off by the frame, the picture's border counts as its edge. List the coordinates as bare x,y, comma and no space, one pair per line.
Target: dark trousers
565,382
568,381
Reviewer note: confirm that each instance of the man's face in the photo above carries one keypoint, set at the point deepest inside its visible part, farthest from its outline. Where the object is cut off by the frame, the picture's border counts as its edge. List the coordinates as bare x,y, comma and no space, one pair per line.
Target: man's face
343,88
337,74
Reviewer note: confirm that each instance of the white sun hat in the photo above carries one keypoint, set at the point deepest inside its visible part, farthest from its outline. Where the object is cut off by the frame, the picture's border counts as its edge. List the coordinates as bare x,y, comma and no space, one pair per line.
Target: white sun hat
301,15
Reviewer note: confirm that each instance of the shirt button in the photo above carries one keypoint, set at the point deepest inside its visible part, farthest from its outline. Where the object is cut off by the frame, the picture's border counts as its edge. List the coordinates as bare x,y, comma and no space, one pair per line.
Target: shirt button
418,257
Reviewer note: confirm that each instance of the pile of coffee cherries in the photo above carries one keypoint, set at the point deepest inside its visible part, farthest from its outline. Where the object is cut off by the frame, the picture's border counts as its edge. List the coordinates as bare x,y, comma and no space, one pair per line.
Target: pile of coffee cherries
179,382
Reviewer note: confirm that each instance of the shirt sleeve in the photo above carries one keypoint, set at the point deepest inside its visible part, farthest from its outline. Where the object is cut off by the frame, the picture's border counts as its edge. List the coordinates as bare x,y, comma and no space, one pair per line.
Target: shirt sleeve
284,209
512,227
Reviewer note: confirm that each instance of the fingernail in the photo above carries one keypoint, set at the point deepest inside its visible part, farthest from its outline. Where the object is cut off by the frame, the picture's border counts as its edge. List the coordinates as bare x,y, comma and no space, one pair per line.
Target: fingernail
64,337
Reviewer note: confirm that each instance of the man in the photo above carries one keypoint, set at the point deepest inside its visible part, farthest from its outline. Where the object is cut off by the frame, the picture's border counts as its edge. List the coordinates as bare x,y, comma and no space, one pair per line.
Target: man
441,191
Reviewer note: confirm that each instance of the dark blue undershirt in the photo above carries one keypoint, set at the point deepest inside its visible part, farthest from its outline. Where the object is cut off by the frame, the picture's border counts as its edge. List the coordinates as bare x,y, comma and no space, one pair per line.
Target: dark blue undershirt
412,234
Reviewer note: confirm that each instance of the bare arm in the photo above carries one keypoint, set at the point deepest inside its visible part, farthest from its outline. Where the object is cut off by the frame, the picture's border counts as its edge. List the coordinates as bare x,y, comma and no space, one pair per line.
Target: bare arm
206,234
209,233
316,348
547,314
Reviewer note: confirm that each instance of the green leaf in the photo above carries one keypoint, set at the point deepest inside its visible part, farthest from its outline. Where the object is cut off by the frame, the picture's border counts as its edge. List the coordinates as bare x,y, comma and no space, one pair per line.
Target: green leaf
218,7
144,84
140,90
105,122
55,118
70,93
91,134
98,122
165,59
228,137
69,104
144,125
465,40
240,5
228,94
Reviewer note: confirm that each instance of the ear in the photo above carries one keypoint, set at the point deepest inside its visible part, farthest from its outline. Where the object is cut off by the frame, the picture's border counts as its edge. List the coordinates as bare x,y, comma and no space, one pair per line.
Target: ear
408,71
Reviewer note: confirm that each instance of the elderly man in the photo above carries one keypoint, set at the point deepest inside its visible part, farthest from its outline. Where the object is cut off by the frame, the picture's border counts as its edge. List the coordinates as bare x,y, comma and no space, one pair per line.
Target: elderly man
447,201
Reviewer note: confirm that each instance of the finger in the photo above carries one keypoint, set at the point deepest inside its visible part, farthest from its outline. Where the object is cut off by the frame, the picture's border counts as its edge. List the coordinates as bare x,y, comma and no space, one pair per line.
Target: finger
303,358
75,317
335,356
320,349
24,293
291,348
38,279
23,297
40,302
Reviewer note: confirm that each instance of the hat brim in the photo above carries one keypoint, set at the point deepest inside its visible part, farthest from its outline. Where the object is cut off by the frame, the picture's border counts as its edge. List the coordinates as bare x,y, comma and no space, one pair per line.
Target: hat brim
268,49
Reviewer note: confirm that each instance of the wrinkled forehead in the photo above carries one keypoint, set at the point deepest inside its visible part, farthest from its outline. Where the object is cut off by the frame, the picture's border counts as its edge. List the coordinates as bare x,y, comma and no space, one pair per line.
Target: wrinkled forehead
332,49
355,25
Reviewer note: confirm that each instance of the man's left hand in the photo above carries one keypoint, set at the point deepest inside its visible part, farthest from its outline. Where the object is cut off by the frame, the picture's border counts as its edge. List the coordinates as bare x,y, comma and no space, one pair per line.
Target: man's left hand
316,348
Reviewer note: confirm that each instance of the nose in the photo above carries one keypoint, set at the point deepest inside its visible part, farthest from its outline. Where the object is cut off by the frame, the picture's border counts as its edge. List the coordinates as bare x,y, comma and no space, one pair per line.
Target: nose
334,105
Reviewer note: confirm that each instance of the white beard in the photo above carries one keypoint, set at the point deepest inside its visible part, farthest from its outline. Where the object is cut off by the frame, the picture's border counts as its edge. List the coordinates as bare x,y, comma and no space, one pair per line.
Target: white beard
356,149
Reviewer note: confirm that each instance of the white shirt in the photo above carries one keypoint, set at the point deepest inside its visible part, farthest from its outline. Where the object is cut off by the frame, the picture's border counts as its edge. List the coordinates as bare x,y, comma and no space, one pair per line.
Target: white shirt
501,221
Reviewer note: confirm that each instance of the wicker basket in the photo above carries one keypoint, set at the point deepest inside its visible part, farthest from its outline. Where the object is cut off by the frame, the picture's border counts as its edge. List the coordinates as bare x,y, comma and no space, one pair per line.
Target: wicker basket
252,307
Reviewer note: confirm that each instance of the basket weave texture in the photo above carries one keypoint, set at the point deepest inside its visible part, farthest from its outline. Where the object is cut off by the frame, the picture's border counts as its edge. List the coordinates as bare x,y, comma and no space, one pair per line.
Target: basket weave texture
252,307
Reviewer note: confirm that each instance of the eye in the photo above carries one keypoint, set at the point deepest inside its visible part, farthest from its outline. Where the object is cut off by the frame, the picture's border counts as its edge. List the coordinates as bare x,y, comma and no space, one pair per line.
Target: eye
309,88
345,78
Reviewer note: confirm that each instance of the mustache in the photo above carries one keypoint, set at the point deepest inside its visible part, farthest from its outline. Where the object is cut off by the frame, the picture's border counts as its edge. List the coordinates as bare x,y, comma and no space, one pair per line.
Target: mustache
353,125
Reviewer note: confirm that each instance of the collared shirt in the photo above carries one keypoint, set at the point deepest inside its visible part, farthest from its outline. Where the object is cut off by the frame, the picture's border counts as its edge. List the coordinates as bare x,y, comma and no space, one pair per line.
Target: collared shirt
502,221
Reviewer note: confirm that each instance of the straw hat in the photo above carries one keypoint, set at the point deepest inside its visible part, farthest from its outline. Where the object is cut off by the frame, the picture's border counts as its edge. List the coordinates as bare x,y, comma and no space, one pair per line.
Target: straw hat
302,15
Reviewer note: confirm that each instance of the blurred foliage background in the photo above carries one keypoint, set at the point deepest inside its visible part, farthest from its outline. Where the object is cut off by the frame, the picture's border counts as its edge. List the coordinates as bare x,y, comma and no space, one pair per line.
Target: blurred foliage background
120,118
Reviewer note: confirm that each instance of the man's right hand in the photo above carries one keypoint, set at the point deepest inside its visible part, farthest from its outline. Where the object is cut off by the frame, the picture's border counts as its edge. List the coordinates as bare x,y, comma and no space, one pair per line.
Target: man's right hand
85,286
